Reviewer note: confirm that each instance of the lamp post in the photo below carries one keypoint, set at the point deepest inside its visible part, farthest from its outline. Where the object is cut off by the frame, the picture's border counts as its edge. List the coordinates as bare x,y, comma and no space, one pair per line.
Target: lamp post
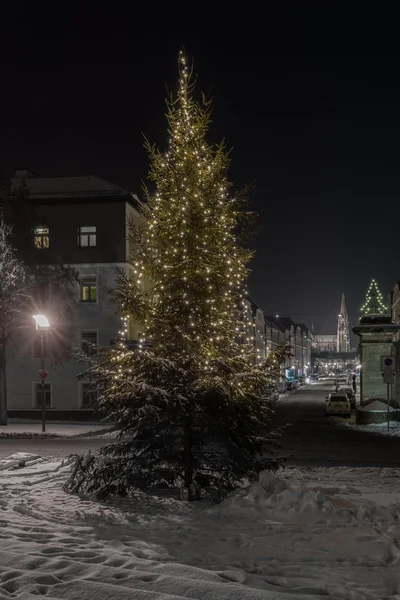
42,325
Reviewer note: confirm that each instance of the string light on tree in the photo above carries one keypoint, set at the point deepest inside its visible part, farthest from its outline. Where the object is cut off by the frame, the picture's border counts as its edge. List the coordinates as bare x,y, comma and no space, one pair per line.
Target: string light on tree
192,384
373,301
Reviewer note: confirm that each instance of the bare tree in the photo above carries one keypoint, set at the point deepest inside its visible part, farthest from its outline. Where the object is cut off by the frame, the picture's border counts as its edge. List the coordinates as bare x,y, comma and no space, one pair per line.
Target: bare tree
13,300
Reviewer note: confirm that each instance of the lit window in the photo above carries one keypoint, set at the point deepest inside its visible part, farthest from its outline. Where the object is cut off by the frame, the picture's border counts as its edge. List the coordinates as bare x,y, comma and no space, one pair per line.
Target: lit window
39,395
87,237
89,396
89,342
89,289
41,237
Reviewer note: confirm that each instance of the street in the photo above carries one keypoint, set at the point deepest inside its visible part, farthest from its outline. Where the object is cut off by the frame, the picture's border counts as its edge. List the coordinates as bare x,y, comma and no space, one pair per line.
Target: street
311,437
316,440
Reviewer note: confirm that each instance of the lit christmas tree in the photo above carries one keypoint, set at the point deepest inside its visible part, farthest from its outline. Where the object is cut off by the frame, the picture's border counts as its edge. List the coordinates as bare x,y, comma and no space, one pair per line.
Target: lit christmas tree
373,304
190,403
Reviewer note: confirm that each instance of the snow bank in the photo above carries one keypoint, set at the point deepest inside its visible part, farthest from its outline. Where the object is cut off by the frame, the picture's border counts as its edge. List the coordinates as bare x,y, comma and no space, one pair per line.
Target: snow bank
274,498
376,406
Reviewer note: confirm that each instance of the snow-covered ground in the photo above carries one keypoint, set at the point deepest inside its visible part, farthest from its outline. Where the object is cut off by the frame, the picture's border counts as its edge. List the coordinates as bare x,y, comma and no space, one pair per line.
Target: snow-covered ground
34,429
306,534
381,428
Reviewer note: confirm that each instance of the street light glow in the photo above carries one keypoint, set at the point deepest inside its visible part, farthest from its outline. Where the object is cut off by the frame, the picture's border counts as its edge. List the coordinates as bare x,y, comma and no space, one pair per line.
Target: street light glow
42,322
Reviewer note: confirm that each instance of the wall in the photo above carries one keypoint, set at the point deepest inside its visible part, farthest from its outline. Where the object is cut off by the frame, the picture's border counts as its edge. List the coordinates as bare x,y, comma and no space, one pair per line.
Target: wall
66,390
63,220
372,346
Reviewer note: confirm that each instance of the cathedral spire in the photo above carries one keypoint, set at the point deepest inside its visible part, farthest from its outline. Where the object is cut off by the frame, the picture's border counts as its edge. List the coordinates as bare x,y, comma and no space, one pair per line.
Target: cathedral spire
343,332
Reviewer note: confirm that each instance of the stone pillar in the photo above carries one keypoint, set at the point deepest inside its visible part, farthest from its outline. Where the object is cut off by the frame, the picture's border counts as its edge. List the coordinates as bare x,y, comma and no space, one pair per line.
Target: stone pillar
396,386
376,338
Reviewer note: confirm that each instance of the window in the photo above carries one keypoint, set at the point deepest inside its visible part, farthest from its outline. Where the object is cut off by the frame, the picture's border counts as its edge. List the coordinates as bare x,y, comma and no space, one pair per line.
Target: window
89,342
87,236
89,396
41,238
37,345
38,395
89,289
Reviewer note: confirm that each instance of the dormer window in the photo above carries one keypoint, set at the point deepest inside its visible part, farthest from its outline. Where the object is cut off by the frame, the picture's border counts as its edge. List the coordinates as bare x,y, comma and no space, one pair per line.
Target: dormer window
41,238
87,236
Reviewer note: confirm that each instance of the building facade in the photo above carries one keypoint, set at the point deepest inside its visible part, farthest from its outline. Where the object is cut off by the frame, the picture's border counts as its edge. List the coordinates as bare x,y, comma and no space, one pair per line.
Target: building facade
80,222
325,343
301,339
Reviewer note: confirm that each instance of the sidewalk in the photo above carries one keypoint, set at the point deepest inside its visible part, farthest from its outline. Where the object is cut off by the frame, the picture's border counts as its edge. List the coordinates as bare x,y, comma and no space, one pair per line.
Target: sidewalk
18,429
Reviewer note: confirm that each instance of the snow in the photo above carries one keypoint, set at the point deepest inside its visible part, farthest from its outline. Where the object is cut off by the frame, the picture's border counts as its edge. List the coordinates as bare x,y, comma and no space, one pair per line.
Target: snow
378,428
303,534
27,430
376,406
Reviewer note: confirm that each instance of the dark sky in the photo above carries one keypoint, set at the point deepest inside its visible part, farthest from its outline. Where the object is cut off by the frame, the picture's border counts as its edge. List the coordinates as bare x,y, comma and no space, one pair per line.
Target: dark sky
309,103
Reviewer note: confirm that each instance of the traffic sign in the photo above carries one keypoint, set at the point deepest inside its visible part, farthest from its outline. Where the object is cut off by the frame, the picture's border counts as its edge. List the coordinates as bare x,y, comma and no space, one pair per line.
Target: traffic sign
388,362
43,374
388,375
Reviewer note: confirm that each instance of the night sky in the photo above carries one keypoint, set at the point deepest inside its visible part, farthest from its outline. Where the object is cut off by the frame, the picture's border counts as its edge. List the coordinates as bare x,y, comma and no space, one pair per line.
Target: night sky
309,103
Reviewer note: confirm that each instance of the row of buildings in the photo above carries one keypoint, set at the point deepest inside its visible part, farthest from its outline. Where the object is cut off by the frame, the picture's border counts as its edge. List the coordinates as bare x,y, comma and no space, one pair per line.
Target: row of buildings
267,332
82,222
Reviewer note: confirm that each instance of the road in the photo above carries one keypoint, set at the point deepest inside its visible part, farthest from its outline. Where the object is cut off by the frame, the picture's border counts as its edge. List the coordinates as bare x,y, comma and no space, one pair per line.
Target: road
311,437
316,440
56,447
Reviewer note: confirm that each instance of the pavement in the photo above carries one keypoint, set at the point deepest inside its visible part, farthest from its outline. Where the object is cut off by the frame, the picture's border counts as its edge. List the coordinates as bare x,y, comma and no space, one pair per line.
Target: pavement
316,440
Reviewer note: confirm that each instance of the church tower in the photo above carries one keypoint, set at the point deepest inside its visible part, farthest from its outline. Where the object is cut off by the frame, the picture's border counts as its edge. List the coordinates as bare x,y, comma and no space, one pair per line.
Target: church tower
343,333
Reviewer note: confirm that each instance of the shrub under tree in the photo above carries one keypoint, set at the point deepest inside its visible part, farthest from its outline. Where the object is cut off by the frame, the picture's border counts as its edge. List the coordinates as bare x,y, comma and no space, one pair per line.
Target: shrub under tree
190,403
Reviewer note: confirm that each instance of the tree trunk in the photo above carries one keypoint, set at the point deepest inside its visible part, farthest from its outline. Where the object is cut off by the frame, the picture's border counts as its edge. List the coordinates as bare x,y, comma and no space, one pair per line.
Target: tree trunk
3,383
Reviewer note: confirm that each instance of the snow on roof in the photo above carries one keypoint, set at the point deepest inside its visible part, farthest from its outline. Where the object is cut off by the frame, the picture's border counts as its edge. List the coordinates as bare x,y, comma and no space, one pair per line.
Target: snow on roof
70,186
376,406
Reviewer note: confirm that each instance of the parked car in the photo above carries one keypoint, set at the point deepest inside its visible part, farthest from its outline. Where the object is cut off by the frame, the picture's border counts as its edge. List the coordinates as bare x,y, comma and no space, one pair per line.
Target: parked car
350,394
295,384
338,404
341,382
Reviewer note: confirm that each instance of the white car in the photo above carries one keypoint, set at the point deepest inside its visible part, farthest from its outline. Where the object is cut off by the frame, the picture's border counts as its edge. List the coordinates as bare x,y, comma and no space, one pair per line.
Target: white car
341,382
338,404
349,393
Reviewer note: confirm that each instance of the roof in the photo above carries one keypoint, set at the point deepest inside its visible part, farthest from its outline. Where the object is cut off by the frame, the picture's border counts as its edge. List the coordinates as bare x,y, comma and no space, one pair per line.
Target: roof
56,187
282,323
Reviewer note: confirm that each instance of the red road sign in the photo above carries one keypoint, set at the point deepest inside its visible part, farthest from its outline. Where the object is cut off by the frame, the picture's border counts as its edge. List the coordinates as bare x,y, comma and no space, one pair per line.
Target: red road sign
43,374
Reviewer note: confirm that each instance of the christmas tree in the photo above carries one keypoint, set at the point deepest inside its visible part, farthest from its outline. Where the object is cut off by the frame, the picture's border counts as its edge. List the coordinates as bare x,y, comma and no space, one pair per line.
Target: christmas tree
373,301
190,403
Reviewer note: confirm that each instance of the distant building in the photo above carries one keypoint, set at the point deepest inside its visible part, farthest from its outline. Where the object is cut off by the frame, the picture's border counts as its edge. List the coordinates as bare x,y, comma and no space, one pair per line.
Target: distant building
281,328
343,331
393,308
325,343
254,329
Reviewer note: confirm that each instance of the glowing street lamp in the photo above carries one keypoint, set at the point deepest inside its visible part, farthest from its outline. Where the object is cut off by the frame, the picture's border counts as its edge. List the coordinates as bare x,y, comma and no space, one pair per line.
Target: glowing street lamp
42,325
41,321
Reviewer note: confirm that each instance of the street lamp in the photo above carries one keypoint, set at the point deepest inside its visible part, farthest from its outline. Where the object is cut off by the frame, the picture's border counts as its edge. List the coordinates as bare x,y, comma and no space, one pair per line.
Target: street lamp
42,325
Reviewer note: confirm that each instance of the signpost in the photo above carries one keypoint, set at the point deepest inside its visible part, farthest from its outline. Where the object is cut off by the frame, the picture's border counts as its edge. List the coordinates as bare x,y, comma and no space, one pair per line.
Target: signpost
388,364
